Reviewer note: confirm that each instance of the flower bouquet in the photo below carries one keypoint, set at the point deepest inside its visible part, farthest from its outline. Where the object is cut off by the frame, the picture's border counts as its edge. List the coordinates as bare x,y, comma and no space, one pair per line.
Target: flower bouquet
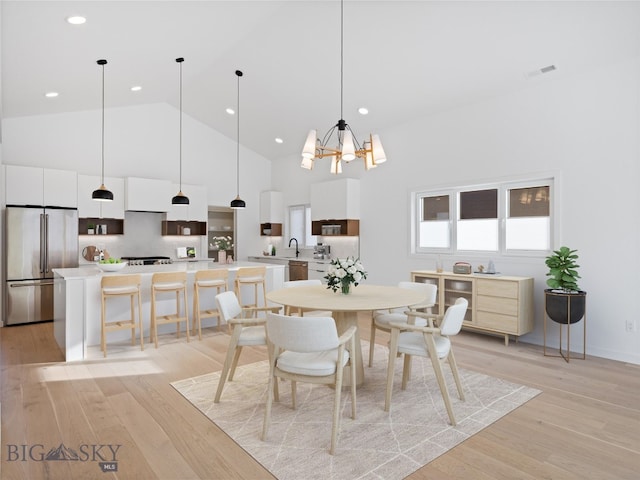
222,243
343,273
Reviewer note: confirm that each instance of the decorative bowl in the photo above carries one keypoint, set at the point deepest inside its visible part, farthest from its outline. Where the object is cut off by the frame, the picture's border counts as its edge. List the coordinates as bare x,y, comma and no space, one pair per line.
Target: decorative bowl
111,267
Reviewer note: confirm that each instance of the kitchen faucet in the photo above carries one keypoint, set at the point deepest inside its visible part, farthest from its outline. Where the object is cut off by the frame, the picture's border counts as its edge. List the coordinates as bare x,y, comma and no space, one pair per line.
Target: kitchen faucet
291,240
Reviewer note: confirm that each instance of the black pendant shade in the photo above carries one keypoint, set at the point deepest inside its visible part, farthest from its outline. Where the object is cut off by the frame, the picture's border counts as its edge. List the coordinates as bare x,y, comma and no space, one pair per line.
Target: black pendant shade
237,203
102,194
180,198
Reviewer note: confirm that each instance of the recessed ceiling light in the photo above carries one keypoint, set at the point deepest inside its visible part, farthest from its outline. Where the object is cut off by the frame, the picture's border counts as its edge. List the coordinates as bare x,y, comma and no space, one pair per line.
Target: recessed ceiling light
51,94
363,111
76,20
136,88
279,140
230,111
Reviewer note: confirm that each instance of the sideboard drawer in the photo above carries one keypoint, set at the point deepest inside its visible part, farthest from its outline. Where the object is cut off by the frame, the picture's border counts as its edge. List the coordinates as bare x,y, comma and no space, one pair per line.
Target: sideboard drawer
506,306
497,288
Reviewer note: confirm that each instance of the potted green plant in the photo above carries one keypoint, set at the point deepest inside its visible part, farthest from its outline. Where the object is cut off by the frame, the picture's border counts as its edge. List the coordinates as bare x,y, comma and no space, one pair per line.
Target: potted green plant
91,228
565,294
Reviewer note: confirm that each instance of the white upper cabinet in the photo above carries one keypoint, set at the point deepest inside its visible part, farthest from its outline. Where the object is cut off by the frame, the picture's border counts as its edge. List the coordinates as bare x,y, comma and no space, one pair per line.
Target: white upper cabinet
271,207
336,199
41,186
198,208
148,195
90,208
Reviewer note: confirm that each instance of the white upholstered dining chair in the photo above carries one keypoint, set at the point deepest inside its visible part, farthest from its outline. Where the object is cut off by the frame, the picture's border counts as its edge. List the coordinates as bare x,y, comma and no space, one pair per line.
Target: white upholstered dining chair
427,341
245,332
308,349
380,319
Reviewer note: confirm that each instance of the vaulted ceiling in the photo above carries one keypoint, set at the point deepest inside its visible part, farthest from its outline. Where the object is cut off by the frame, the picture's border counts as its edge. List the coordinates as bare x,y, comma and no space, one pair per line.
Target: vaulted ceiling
402,59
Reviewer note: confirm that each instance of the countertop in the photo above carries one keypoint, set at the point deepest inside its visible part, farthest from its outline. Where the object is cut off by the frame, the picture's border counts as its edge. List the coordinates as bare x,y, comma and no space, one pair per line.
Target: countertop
89,271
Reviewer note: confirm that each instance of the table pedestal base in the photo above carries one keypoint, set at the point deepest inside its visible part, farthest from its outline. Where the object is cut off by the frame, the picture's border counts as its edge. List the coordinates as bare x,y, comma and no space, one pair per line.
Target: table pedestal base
345,320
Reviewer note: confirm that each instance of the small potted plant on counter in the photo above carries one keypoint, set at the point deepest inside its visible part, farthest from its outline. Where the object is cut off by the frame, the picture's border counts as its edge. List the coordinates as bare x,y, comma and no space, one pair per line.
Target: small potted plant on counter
565,294
91,228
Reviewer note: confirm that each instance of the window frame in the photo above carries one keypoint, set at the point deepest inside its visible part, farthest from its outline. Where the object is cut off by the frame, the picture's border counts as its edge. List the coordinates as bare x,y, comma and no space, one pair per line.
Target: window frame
550,179
306,228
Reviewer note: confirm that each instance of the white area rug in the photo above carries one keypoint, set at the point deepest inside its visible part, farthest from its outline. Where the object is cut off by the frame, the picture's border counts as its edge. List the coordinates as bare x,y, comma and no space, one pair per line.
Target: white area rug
378,444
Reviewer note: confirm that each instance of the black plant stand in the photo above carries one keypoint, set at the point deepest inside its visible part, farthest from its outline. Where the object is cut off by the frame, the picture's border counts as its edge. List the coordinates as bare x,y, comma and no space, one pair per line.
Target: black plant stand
568,325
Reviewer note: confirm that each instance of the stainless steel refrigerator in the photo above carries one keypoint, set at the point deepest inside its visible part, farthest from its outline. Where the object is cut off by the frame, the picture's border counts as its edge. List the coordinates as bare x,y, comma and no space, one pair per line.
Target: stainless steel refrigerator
37,240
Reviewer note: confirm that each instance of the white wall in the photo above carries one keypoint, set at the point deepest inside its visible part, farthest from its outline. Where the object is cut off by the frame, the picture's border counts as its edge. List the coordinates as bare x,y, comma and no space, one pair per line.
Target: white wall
142,141
586,128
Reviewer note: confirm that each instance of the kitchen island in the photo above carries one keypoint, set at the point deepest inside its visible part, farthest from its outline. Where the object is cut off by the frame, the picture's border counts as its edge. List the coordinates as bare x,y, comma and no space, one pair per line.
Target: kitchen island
77,301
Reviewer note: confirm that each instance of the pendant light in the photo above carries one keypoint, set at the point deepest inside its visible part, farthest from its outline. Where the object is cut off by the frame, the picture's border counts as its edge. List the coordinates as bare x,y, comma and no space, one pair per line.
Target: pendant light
348,148
102,194
180,198
238,203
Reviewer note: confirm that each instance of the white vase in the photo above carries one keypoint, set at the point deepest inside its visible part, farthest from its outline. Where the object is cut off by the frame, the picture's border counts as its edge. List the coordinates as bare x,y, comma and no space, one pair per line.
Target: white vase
222,256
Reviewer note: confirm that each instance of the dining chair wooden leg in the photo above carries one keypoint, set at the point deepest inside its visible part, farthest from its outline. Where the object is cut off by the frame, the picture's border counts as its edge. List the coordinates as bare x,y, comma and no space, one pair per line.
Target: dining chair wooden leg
406,371
393,353
437,367
372,340
336,403
456,374
353,375
294,395
227,362
270,393
234,364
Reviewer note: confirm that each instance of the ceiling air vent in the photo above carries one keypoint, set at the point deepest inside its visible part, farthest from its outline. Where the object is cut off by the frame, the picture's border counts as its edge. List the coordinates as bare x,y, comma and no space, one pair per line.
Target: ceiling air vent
540,71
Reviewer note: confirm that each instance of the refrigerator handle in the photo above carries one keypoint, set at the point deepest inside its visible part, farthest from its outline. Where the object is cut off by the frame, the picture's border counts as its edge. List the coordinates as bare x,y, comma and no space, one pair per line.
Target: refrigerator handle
46,243
42,242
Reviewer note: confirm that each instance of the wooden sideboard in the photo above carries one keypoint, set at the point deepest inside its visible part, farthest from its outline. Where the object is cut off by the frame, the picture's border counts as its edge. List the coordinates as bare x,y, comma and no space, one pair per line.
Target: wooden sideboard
498,304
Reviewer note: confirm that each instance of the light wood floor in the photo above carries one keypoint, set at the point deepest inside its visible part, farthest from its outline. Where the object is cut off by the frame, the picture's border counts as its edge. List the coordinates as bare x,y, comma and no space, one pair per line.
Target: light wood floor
585,424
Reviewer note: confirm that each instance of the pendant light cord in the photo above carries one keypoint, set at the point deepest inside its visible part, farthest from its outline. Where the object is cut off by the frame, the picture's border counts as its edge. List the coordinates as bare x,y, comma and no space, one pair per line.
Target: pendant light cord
102,171
239,74
180,60
341,55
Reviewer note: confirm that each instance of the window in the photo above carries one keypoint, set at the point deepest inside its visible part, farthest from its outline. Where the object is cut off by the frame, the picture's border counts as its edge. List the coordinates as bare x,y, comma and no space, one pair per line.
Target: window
510,217
300,225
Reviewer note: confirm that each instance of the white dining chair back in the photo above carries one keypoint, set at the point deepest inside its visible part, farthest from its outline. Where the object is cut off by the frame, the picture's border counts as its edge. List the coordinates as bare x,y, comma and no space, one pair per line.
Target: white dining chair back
245,332
381,319
308,349
427,341
228,305
314,334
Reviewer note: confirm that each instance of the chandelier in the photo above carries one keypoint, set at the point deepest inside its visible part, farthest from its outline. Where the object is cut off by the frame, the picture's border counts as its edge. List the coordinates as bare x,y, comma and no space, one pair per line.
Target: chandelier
339,143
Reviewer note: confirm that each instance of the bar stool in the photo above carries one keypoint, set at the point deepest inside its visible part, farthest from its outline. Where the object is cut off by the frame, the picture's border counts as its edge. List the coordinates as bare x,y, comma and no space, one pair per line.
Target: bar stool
205,279
252,277
113,286
168,282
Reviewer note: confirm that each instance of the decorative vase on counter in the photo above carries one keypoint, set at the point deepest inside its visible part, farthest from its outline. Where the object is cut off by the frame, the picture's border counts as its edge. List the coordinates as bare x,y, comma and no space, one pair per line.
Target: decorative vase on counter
222,256
346,288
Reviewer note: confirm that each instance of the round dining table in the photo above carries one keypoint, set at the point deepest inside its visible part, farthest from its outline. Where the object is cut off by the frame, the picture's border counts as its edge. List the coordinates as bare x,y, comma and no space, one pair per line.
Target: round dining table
345,308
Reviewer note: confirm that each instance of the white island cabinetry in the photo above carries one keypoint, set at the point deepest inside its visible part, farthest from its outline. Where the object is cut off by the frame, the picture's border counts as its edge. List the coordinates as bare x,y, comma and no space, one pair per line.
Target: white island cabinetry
77,302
